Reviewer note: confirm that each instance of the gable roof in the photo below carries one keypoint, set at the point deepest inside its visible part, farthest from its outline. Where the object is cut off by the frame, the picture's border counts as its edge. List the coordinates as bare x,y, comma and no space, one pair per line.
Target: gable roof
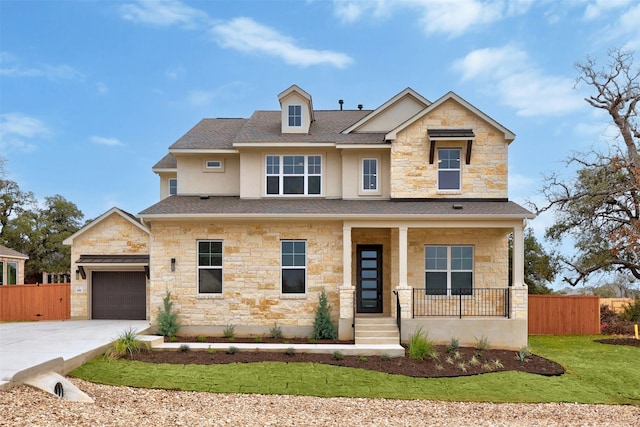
6,252
209,133
407,93
508,135
126,215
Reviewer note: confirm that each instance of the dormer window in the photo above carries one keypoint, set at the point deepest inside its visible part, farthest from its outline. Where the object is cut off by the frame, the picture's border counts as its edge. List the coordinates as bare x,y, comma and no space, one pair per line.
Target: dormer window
295,115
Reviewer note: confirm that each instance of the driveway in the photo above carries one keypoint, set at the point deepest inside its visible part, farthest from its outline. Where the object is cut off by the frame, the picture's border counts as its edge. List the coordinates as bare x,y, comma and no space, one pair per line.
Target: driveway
31,348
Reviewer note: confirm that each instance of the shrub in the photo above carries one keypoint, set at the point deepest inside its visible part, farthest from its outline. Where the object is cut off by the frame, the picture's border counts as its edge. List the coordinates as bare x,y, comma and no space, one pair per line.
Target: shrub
200,338
127,343
631,311
362,358
323,327
482,343
258,340
453,345
290,351
337,355
167,319
612,323
229,331
275,331
233,350
184,348
420,346
523,353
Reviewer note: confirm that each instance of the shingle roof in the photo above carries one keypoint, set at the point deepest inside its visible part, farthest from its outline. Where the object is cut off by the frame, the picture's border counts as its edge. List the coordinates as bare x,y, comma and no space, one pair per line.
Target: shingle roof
210,133
225,206
10,253
113,259
167,162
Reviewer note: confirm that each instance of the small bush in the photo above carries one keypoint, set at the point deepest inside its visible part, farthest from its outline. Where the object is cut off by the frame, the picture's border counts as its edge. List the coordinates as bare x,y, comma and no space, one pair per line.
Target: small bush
173,339
127,343
184,348
233,350
362,358
290,351
200,338
211,350
497,364
257,340
523,353
453,345
229,331
275,331
337,355
482,343
475,361
462,366
612,323
420,346
167,319
631,311
323,327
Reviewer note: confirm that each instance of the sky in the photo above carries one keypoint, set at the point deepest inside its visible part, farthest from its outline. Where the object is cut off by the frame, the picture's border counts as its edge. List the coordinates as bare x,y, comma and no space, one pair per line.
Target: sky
92,93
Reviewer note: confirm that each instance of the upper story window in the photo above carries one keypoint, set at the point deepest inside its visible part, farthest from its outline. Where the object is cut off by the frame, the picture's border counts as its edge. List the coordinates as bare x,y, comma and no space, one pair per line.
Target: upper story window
448,270
449,169
293,175
295,115
213,165
173,186
370,174
294,266
210,267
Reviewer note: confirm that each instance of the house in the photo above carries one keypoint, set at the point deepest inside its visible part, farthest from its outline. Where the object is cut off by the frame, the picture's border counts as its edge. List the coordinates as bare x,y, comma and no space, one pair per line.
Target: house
398,213
11,266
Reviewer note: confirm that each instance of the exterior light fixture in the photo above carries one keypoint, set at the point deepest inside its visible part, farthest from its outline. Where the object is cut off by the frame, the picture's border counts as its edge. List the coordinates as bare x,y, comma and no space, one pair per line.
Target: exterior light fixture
173,264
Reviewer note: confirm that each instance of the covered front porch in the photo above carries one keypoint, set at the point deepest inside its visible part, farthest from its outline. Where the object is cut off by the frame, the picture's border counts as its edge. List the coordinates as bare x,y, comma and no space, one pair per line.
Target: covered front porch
387,273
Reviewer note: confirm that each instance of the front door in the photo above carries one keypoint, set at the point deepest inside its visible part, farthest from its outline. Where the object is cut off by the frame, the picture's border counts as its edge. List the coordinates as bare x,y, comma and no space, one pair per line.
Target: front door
369,278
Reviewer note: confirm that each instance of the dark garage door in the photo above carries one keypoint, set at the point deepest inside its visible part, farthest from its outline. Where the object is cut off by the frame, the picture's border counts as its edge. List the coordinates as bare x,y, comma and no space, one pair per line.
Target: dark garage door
119,295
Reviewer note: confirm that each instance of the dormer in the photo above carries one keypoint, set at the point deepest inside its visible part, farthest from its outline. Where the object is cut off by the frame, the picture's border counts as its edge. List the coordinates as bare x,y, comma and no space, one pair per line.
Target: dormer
296,110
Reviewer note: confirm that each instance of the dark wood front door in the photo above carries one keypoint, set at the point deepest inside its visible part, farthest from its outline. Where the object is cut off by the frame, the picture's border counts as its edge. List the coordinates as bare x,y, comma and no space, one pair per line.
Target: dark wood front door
369,278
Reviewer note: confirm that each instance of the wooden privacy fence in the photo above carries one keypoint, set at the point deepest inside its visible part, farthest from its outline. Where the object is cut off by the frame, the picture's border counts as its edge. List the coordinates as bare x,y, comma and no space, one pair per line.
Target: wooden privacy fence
35,302
564,315
616,304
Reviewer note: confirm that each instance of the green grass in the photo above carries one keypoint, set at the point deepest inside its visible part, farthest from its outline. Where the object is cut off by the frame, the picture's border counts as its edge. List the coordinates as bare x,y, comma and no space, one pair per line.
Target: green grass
596,373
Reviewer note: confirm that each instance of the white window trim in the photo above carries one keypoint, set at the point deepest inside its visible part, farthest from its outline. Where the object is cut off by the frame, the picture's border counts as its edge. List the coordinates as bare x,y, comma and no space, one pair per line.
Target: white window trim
207,168
361,189
451,191
169,186
281,175
198,268
449,270
289,116
286,295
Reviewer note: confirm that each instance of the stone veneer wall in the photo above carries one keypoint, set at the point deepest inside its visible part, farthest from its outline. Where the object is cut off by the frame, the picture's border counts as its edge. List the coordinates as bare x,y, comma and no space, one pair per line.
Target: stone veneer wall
413,177
114,235
251,296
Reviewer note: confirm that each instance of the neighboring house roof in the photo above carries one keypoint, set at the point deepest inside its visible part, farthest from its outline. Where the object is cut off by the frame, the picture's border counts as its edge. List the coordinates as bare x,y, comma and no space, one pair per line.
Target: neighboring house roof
6,252
234,207
126,215
508,135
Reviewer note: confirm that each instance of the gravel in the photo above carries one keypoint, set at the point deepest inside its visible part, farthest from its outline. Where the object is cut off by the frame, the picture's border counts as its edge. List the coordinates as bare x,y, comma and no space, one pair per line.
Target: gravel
125,406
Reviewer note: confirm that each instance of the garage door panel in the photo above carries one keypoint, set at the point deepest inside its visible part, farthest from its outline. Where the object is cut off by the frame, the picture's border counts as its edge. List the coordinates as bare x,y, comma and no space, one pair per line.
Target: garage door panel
119,295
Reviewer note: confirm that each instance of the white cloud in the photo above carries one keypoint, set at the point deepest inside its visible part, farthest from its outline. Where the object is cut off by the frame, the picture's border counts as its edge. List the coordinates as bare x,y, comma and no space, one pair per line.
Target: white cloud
453,17
598,7
111,142
509,73
200,98
11,66
17,129
246,35
163,13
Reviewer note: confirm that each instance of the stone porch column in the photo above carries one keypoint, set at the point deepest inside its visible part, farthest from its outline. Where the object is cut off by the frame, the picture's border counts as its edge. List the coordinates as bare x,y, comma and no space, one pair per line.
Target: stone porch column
347,290
403,289
518,256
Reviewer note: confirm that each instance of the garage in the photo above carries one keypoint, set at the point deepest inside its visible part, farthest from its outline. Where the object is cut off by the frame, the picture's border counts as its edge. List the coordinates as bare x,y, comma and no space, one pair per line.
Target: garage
118,295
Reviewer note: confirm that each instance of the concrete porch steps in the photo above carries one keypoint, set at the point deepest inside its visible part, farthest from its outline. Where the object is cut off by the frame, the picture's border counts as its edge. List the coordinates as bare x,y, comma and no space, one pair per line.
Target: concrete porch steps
376,330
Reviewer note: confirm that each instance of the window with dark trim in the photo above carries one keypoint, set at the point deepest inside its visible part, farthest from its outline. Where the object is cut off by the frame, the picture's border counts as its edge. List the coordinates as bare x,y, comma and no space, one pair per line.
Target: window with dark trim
210,267
448,270
294,266
294,175
295,115
1,273
449,169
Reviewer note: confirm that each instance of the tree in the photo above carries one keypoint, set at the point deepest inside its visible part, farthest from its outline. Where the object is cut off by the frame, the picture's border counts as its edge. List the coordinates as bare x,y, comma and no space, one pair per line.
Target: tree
600,208
540,267
13,201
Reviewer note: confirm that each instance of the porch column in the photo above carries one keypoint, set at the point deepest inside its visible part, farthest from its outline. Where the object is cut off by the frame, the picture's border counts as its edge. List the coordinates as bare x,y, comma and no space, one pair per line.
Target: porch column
402,258
347,291
518,255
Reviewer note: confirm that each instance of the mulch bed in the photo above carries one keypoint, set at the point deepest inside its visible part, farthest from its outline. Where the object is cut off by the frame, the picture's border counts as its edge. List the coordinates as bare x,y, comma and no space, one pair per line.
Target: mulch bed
467,361
621,341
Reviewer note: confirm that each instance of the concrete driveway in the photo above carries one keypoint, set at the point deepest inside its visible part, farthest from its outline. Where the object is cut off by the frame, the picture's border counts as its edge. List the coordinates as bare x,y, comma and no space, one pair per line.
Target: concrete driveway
31,348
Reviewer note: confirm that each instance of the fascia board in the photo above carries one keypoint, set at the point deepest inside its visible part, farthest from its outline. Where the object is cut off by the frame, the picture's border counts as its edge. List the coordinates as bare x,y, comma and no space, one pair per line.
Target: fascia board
203,151
282,144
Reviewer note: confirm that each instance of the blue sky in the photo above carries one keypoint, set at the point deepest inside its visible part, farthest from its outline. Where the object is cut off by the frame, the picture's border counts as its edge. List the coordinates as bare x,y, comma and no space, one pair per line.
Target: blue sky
92,93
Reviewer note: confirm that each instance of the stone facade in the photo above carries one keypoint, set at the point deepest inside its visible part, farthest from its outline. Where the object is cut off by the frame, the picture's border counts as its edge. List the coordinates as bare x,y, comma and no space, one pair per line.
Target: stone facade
413,177
114,235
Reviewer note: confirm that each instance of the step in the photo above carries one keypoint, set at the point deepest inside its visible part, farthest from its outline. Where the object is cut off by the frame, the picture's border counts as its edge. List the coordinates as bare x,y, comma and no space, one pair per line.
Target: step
376,330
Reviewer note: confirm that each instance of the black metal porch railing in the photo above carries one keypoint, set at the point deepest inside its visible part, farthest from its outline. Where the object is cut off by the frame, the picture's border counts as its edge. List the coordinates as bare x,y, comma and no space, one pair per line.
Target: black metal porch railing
398,313
473,302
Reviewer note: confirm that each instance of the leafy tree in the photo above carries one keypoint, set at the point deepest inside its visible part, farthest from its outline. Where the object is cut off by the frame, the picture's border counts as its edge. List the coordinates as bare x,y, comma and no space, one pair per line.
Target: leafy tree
540,267
13,201
600,208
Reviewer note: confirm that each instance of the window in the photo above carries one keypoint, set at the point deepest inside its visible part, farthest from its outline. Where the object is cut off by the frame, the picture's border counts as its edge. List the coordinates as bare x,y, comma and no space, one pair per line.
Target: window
1,273
370,174
449,169
12,273
295,115
291,175
210,267
214,166
173,186
449,270
294,266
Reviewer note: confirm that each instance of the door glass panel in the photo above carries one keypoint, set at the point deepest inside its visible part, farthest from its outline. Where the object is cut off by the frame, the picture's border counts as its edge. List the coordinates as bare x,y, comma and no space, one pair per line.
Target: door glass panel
369,274
369,254
369,284
370,294
369,263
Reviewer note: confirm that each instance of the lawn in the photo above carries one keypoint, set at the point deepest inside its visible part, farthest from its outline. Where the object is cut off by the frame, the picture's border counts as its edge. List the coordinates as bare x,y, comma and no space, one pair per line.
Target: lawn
596,373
